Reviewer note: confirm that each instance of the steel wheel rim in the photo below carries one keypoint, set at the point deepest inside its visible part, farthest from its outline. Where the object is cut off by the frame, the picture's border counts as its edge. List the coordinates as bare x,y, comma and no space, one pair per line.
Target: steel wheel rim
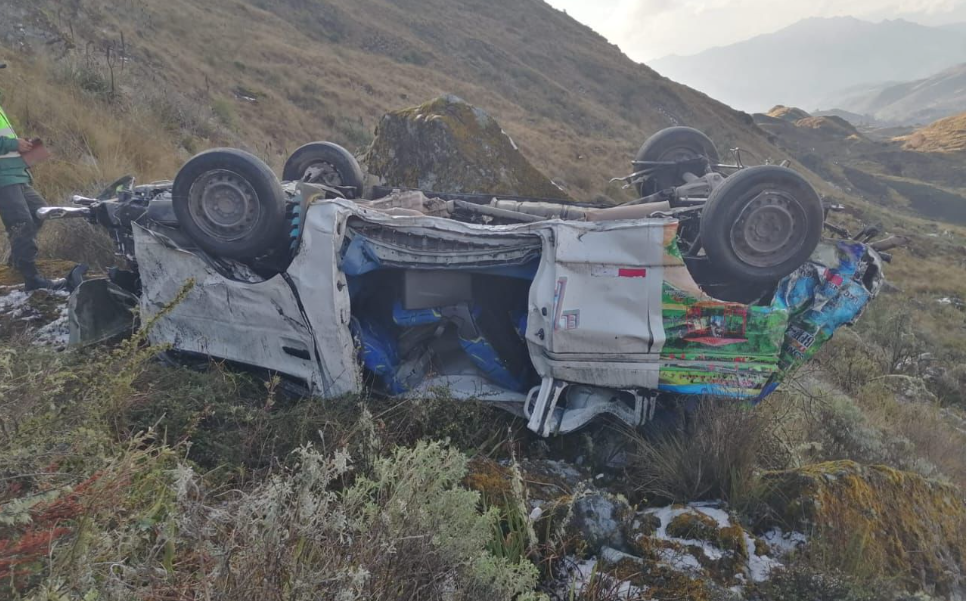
224,205
769,230
322,172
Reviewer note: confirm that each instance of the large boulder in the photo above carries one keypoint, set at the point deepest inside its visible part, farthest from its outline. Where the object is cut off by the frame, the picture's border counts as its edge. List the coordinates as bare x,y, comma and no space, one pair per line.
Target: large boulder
448,145
900,523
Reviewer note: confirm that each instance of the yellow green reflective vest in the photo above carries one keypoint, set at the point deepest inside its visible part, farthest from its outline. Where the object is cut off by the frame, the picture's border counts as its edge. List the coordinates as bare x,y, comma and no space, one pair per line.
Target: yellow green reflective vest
13,169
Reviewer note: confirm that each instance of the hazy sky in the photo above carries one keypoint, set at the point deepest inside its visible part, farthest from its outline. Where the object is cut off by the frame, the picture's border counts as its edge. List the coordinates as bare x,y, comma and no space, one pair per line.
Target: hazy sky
649,29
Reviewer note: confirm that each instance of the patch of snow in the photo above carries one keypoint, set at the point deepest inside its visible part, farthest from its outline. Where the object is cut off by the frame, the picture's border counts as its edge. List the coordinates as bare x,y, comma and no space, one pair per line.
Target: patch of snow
509,139
579,575
679,560
611,555
55,333
782,543
13,299
759,565
667,514
714,511
15,304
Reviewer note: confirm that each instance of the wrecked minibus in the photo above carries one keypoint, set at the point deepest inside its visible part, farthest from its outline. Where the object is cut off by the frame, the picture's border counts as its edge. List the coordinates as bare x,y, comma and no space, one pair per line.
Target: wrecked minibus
715,281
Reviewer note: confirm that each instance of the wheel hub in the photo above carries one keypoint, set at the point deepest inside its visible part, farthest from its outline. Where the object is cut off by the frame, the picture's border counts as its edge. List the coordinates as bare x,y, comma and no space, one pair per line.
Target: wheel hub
769,229
678,153
224,205
322,172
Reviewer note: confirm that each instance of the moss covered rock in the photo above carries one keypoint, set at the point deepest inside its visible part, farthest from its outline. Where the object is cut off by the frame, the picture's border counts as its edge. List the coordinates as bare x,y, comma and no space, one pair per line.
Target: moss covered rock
448,145
899,523
693,525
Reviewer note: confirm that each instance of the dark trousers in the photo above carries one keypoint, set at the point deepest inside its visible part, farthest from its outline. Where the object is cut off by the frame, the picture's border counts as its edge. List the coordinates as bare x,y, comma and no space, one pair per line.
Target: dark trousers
18,207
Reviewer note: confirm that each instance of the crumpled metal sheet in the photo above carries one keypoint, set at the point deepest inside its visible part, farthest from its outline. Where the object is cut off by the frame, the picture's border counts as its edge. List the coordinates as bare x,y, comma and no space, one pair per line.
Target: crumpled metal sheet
823,295
257,324
99,310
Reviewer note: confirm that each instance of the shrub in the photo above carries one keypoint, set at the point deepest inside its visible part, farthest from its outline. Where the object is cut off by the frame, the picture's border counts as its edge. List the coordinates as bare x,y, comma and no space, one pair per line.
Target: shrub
712,453
353,134
405,530
224,111
850,361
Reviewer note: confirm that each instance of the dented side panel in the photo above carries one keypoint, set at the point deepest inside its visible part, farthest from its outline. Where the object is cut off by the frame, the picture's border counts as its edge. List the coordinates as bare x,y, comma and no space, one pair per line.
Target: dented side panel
323,297
258,324
595,311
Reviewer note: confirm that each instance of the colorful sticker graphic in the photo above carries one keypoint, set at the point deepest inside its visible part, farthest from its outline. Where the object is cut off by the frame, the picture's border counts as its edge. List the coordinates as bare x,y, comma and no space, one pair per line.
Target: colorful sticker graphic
736,350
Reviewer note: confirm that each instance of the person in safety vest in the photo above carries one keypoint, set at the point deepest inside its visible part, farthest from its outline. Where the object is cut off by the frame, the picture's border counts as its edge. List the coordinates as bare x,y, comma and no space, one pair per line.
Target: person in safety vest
18,206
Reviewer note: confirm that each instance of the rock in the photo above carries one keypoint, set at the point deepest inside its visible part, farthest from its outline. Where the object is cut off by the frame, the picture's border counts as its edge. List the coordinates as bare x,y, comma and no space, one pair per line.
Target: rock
907,525
549,479
600,518
908,389
693,525
448,145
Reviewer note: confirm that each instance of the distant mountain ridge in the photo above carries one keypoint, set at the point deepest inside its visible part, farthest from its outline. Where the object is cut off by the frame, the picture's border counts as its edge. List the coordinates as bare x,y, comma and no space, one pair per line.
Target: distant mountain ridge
808,61
906,103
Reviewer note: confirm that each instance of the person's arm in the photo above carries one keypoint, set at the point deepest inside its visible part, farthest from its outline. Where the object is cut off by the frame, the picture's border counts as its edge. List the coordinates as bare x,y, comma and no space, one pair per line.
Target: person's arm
9,145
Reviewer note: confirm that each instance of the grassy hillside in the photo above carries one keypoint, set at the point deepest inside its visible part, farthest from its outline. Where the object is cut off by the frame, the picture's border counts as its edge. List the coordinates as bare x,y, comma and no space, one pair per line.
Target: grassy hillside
888,174
943,135
329,69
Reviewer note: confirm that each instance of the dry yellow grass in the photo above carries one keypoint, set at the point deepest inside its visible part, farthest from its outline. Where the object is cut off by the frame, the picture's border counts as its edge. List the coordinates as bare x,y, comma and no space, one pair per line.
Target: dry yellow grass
944,135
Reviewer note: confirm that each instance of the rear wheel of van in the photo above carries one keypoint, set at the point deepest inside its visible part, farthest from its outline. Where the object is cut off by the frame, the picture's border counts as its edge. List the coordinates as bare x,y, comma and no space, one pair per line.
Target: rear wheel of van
229,203
325,163
761,224
673,144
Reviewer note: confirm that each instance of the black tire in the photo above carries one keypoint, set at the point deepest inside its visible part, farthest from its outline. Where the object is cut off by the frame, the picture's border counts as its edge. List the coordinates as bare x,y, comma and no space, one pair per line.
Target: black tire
341,167
761,224
670,144
230,203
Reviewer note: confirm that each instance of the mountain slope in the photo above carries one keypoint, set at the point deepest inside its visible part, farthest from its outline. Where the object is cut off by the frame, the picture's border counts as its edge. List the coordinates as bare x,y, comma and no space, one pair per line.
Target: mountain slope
280,74
891,175
907,103
944,135
804,63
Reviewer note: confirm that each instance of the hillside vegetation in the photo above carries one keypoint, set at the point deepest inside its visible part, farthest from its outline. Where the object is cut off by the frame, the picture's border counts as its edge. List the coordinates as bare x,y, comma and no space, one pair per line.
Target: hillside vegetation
943,135
918,180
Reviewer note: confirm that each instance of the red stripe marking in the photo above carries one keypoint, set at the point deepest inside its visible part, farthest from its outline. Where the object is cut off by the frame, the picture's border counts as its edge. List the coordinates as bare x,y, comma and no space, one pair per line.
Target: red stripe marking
627,272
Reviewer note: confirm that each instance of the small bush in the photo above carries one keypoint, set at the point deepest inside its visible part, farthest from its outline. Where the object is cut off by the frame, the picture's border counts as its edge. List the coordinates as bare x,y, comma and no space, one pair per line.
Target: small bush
849,361
414,57
712,453
224,111
353,134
